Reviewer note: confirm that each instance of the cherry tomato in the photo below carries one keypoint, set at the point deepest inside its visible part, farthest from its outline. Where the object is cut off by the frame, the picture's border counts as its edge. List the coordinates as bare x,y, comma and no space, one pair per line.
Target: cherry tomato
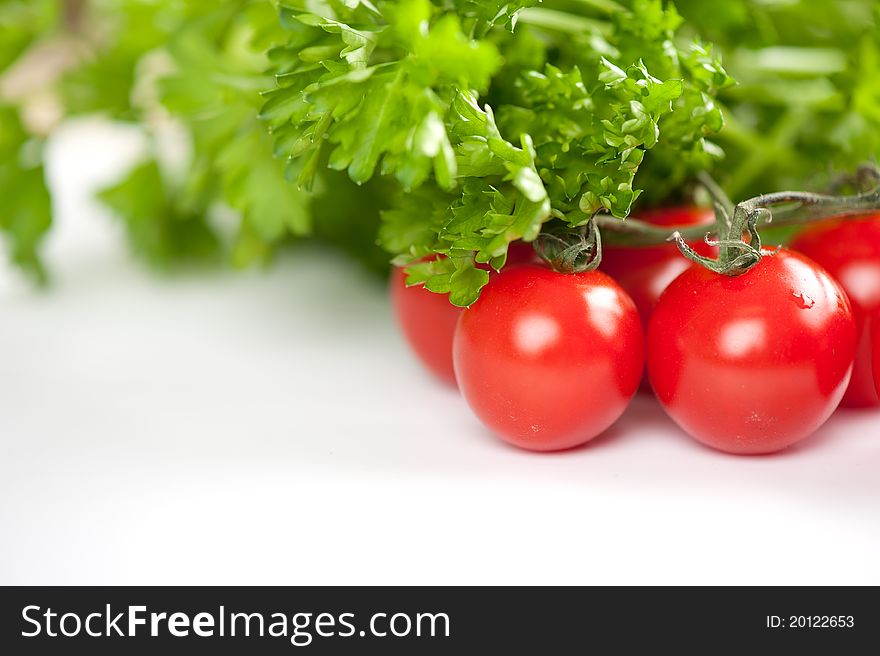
644,272
549,360
753,363
427,320
850,250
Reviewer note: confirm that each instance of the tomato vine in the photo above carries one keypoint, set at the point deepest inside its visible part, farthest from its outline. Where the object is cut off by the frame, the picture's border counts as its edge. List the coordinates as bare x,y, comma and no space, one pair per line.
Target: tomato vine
736,232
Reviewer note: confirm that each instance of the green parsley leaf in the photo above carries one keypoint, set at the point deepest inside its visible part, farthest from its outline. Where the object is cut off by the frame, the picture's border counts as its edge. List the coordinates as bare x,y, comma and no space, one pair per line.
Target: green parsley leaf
25,205
156,227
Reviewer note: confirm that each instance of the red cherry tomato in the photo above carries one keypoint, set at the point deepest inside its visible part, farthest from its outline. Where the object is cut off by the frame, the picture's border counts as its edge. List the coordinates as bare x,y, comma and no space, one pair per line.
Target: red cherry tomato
644,272
753,363
850,251
549,360
427,320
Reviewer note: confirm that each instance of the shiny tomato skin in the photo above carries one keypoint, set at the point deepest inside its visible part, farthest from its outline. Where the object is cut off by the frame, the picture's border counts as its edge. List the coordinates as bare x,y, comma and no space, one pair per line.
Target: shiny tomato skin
427,320
754,363
645,271
546,360
849,249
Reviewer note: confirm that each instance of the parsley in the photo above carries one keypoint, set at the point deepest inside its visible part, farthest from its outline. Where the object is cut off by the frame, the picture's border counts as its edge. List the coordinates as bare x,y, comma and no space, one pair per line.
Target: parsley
157,226
401,89
26,207
444,129
214,88
807,105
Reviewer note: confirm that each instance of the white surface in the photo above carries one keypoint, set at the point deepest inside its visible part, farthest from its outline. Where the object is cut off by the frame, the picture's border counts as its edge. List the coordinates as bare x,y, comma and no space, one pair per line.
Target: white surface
270,427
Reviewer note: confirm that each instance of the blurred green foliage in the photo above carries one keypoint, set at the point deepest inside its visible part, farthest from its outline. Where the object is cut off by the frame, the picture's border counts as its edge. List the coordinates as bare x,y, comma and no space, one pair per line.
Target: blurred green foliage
379,109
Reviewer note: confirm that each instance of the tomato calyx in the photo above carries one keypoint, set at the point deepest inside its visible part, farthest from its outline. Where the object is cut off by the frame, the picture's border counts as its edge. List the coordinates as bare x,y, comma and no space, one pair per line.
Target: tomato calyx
571,250
738,254
736,234
735,255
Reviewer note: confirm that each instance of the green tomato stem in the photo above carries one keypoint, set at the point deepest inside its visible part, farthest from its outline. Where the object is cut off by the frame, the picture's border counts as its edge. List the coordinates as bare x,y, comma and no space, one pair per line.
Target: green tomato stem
571,250
736,254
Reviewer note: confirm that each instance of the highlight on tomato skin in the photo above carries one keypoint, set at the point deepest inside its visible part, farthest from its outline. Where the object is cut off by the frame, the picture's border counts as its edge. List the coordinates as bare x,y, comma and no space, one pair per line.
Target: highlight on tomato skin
546,360
754,363
849,249
427,320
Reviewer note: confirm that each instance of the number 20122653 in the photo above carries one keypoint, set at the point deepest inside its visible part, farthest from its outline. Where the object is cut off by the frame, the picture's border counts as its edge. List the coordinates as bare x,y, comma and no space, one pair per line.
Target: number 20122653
811,622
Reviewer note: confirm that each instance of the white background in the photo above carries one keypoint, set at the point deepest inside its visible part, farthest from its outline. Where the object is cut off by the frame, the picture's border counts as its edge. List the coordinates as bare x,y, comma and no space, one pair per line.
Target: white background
270,427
